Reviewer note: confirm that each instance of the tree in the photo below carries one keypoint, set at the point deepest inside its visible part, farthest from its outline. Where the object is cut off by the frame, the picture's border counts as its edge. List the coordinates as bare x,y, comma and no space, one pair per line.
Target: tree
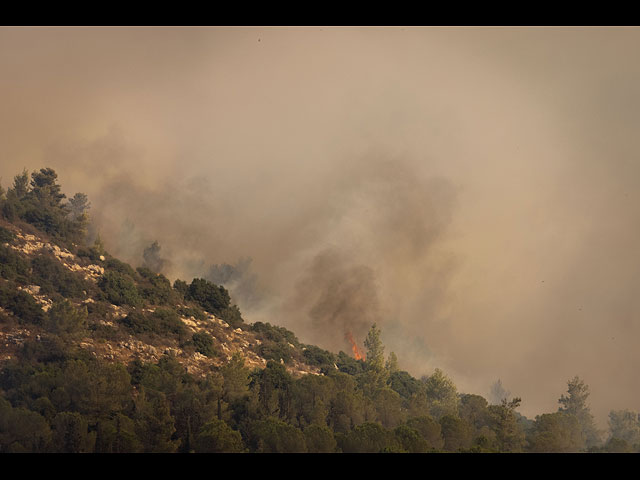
45,188
625,425
429,429
411,440
20,185
275,436
236,378
442,394
474,409
319,439
78,206
66,320
457,433
212,298
392,363
369,438
575,403
375,375
375,349
556,433
71,435
389,409
510,436
217,437
154,423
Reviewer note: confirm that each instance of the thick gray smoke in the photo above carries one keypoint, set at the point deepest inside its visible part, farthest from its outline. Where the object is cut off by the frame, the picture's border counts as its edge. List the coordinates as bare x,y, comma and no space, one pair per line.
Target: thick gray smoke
473,190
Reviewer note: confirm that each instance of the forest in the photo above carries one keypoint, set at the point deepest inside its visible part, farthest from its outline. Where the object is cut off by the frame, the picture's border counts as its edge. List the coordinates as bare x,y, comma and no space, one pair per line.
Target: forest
57,397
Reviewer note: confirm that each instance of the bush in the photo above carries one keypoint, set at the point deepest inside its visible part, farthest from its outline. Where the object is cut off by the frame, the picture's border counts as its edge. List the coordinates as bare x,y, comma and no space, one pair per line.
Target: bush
23,306
117,266
318,357
203,343
266,331
53,277
232,316
6,235
161,322
120,289
156,288
182,287
212,298
66,320
12,265
276,351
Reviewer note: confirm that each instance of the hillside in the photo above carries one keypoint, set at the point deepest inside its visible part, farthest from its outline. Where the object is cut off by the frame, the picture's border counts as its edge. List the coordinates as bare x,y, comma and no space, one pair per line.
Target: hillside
109,336
99,356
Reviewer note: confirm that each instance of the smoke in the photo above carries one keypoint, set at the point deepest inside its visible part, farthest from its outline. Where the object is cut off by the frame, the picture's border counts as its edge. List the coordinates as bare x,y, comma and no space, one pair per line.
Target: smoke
471,190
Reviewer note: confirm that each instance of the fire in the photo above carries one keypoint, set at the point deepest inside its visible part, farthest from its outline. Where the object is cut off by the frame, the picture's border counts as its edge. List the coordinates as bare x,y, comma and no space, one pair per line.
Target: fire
356,351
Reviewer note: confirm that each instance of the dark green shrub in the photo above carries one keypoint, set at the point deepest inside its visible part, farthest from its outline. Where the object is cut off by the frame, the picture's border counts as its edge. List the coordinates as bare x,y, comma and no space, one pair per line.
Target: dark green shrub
232,316
182,287
318,357
117,266
213,298
6,235
266,331
160,322
276,351
21,304
12,265
156,288
203,343
52,277
120,289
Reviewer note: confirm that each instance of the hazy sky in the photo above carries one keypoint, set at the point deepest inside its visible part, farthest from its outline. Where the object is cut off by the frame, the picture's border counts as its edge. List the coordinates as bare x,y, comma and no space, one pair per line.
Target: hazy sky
471,190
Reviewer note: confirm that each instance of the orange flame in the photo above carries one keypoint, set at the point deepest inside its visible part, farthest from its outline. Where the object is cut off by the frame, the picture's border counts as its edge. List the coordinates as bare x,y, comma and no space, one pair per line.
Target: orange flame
356,351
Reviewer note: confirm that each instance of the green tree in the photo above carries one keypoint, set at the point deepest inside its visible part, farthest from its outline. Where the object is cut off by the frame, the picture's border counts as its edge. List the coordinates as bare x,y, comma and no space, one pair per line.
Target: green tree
369,438
625,425
474,409
117,435
71,435
20,185
217,437
429,429
154,422
389,409
66,320
392,363
556,433
275,436
575,403
319,439
442,394
236,378
78,206
375,375
510,436
411,440
457,433
22,430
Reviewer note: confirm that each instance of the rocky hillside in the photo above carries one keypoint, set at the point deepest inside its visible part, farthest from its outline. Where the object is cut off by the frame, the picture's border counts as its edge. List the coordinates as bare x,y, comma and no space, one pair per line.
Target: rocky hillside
108,335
